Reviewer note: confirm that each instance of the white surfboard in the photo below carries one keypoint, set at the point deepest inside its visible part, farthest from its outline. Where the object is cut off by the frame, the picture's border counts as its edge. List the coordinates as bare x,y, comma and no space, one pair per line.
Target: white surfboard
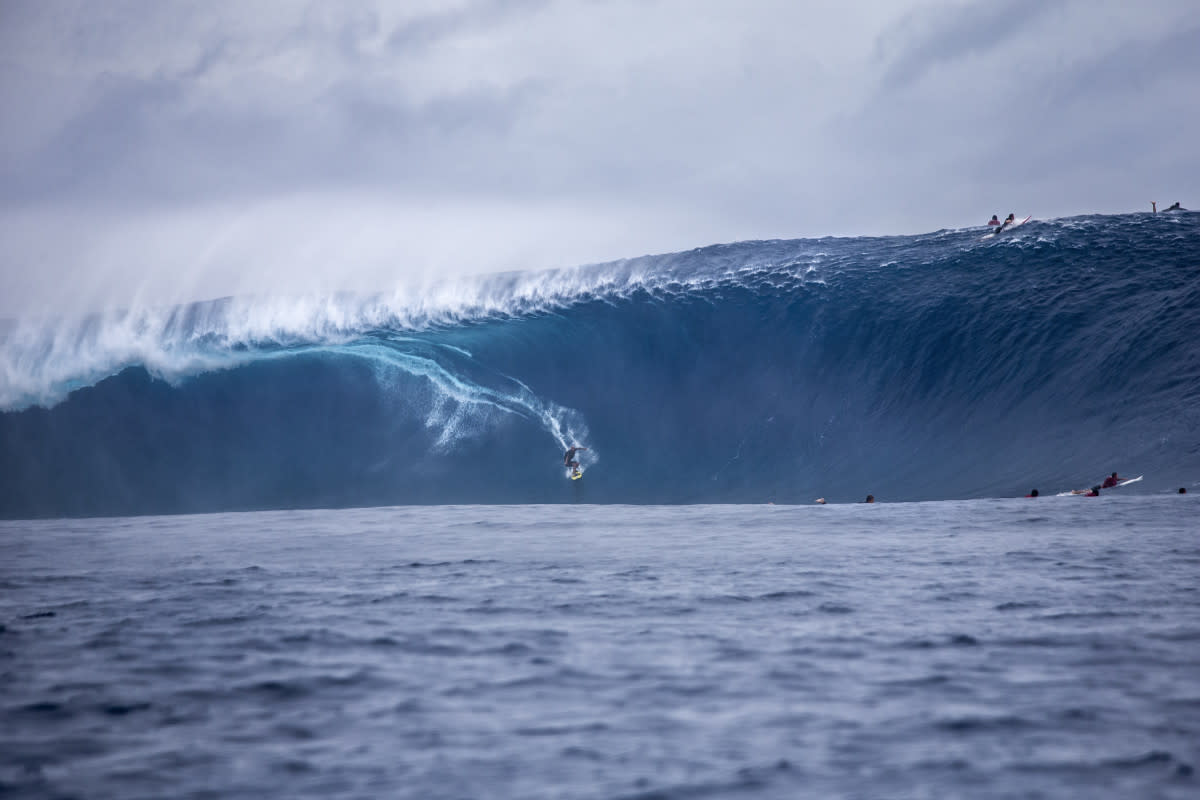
1006,228
1081,492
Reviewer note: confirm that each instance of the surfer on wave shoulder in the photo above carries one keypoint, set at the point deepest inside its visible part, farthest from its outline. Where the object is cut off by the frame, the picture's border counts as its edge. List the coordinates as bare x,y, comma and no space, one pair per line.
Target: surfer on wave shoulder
1110,481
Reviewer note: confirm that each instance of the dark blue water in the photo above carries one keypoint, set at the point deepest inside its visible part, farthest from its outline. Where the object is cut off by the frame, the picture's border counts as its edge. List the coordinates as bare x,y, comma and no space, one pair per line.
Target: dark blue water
985,648
941,366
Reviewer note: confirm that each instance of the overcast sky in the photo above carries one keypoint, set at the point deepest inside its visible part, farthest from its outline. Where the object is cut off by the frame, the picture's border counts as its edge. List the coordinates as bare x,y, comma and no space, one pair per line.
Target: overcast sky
162,151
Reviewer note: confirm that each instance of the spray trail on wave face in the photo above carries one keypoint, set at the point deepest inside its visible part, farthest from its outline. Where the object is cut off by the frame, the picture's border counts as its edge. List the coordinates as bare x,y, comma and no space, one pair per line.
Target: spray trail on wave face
461,398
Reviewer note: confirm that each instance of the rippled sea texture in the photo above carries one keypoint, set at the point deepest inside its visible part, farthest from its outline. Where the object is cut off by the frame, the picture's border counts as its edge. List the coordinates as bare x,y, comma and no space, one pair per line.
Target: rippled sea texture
1010,648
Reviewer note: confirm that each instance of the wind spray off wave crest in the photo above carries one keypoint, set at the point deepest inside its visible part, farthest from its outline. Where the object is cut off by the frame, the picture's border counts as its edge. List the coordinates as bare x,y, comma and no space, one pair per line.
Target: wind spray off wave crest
43,359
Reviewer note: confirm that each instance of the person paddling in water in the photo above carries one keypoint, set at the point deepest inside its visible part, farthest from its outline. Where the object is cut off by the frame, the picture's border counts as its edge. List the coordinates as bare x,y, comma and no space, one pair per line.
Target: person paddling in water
1110,481
569,459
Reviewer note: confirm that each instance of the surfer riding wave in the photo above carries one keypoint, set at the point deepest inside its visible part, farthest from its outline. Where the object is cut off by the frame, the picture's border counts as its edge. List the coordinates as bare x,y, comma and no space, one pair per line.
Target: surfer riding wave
569,459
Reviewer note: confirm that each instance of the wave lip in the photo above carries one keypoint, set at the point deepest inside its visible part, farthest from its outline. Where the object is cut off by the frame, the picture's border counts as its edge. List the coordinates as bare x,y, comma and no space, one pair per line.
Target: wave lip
44,359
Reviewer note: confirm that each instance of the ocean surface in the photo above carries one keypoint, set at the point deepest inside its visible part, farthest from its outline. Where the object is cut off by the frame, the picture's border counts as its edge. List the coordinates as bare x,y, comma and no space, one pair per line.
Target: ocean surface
1031,648
946,365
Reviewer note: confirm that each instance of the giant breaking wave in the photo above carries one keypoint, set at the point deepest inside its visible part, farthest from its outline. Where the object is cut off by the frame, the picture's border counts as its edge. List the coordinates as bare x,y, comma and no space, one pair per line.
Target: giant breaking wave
921,367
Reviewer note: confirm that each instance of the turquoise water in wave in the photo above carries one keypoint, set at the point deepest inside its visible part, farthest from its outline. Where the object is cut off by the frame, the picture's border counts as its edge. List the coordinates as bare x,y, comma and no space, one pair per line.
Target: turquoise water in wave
976,648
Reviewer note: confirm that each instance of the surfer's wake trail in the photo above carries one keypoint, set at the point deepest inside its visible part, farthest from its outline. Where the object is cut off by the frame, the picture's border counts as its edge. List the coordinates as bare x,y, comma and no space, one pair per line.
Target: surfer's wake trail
921,367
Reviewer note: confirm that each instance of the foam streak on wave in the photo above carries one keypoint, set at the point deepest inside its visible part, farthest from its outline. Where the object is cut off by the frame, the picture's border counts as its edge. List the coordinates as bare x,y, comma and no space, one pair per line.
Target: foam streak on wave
453,388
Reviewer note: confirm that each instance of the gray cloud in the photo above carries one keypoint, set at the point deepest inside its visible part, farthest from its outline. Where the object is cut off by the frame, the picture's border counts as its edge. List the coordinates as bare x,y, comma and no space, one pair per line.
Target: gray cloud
152,141
941,36
477,16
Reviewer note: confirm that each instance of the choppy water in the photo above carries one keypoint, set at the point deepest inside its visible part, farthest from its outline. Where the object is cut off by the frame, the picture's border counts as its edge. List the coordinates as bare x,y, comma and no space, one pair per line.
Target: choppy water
1005,648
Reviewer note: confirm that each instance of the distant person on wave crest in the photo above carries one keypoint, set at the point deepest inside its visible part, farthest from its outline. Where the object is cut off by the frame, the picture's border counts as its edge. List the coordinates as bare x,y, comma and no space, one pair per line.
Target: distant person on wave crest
870,499
1175,207
569,459
1033,493
994,220
1009,220
1110,481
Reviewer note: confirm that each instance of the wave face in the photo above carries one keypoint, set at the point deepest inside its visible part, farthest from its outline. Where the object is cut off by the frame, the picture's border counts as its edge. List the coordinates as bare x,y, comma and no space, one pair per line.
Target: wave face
946,365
